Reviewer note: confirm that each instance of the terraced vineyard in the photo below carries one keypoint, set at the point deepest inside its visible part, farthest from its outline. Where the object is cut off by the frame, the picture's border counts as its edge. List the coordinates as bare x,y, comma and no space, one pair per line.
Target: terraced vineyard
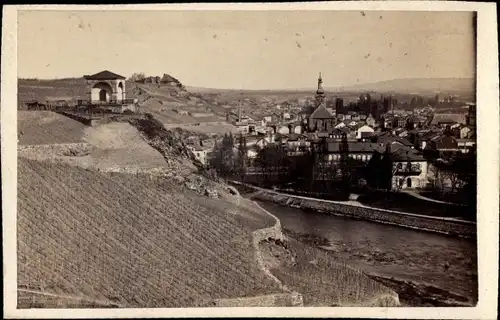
130,241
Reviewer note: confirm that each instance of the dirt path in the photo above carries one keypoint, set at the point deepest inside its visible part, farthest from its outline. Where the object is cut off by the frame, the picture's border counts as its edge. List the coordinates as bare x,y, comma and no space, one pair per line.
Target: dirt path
419,196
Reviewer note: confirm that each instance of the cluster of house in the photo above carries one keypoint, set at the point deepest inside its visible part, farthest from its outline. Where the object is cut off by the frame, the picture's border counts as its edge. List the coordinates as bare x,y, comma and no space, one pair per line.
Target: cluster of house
202,149
165,79
365,137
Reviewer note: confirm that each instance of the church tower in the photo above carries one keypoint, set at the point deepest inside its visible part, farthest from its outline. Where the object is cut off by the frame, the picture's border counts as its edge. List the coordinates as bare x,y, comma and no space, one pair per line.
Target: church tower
320,93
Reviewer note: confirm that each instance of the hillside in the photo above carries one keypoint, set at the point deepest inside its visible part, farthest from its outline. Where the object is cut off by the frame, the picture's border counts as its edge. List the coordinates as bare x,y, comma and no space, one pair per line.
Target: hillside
162,100
50,136
130,241
45,127
431,86
52,90
87,238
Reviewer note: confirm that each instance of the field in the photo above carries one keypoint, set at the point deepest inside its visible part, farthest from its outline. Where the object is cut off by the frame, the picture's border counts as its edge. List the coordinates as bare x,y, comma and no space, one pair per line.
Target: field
160,101
50,90
129,241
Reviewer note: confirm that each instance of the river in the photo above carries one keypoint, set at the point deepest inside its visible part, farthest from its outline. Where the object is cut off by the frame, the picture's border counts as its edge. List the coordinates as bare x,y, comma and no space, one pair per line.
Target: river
422,258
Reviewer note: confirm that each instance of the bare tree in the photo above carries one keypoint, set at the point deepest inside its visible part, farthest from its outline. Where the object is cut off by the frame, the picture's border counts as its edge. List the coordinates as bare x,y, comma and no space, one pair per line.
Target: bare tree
455,181
441,177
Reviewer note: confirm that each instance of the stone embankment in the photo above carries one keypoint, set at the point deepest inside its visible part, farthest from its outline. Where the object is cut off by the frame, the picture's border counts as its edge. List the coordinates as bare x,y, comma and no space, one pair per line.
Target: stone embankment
447,226
275,233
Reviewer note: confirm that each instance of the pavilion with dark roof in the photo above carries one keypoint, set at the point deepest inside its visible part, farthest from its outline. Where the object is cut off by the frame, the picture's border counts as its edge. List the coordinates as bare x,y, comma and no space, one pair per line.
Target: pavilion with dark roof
106,87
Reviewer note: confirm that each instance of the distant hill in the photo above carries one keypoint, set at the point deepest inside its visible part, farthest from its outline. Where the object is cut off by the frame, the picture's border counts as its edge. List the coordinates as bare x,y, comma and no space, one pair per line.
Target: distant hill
203,90
463,86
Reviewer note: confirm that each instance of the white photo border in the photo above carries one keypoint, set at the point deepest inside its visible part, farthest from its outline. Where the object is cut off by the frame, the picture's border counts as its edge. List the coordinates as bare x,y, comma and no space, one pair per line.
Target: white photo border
488,168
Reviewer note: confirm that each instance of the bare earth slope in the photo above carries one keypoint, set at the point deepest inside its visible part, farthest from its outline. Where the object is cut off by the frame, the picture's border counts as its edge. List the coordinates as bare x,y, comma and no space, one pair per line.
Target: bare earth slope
110,146
120,145
46,127
126,240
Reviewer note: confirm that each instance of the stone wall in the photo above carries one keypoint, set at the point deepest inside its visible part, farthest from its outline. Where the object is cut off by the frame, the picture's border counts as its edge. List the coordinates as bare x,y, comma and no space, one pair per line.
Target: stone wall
260,235
63,149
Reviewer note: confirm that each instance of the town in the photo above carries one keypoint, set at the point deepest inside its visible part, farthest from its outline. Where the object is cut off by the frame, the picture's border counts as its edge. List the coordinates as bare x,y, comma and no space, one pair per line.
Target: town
314,144
429,150
372,156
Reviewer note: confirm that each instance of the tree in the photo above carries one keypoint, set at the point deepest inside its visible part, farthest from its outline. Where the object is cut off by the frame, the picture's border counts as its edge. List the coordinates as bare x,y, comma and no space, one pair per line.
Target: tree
373,171
272,160
223,160
300,170
437,178
242,159
344,164
386,172
137,77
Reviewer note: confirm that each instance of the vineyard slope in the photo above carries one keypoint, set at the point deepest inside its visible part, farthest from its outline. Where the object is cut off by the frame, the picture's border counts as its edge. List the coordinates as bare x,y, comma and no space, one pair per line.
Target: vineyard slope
128,240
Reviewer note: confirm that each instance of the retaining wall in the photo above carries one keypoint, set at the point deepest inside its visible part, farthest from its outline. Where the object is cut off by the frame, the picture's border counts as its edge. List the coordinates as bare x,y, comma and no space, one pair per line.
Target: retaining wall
260,235
60,149
82,119
448,226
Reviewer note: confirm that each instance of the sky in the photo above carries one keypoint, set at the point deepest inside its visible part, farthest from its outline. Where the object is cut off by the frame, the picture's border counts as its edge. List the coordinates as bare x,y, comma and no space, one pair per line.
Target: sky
248,49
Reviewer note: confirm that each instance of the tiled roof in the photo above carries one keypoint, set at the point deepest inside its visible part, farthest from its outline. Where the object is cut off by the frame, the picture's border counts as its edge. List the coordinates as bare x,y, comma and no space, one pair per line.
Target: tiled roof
295,136
448,117
311,135
366,134
321,113
407,154
360,125
387,137
430,135
367,147
256,117
104,75
339,130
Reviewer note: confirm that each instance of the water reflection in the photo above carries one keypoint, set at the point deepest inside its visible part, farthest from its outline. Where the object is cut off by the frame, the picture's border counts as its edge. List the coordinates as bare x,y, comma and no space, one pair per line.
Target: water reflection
422,257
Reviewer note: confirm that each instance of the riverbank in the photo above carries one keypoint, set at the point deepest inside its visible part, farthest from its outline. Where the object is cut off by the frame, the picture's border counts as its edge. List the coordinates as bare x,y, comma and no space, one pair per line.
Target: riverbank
425,269
443,225
421,295
410,294
314,276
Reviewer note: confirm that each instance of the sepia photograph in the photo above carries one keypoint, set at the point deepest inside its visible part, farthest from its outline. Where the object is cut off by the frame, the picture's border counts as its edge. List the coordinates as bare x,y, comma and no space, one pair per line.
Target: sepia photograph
231,158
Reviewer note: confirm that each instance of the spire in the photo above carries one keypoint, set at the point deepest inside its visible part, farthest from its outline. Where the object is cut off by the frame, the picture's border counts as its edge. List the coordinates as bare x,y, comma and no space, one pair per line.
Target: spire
320,93
320,85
